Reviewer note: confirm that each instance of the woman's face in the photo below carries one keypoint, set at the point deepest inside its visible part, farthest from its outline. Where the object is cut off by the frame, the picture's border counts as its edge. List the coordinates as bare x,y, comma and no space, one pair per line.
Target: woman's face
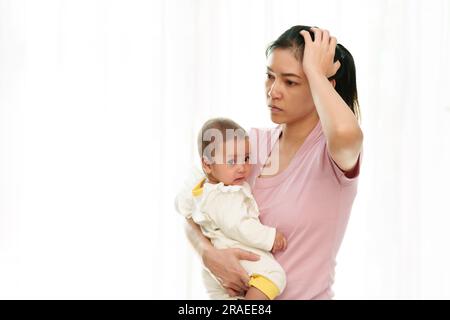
287,89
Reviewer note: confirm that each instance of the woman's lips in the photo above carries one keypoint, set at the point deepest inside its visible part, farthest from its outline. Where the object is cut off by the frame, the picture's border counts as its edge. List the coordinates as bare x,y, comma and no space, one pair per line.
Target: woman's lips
275,109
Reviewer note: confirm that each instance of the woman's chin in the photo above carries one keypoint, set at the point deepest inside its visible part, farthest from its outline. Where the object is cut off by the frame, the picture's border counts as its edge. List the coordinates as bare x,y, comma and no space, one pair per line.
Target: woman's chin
276,119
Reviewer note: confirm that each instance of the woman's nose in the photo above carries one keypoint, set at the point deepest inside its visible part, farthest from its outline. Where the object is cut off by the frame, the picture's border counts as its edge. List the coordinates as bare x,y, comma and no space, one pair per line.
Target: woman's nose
274,91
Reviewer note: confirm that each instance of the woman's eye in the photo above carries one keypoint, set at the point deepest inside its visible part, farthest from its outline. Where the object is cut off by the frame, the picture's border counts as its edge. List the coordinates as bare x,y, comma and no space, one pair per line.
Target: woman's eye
269,76
290,83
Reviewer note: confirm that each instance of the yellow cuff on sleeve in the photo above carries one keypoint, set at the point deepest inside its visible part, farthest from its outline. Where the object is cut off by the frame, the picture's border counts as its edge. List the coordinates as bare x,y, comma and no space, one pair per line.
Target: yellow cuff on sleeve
265,285
198,189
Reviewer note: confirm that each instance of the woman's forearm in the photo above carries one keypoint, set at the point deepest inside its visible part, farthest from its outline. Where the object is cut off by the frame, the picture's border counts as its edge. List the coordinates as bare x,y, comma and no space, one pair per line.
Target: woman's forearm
199,242
339,124
336,117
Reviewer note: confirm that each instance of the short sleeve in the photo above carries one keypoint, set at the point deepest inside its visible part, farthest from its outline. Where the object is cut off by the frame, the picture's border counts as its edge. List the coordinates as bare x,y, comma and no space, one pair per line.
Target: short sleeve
184,200
341,177
184,204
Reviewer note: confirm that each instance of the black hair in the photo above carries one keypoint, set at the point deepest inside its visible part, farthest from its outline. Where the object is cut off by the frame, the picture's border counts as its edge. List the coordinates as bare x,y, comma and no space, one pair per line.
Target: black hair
345,77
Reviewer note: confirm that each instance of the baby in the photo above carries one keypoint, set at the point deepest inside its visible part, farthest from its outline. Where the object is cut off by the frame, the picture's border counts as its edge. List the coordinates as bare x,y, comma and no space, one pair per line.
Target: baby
224,208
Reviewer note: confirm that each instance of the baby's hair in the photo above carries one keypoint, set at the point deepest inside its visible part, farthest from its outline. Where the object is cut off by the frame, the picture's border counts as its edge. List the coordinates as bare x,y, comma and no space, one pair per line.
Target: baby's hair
221,127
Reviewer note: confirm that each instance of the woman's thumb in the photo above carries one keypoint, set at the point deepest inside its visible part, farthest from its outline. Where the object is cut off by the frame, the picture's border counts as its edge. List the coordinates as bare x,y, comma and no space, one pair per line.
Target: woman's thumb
247,255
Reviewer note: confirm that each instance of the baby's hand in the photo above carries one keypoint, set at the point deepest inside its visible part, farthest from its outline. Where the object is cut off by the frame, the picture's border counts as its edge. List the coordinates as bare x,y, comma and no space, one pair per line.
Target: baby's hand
280,242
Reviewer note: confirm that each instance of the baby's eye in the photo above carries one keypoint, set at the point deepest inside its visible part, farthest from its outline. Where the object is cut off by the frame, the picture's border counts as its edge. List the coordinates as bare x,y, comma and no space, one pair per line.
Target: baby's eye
231,162
247,159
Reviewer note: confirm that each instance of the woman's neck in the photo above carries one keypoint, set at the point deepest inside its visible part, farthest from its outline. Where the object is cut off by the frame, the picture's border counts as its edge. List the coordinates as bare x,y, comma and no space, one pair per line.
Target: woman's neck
296,132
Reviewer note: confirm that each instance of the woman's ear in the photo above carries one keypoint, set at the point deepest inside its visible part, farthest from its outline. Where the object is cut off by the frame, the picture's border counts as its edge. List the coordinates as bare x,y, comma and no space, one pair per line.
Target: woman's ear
206,165
333,82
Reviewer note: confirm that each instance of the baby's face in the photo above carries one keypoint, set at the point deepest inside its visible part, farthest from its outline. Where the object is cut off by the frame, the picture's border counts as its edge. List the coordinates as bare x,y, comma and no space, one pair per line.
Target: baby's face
232,165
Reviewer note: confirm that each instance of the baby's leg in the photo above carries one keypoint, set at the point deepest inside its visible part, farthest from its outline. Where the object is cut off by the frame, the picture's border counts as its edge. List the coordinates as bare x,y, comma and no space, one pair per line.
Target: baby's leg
255,294
267,277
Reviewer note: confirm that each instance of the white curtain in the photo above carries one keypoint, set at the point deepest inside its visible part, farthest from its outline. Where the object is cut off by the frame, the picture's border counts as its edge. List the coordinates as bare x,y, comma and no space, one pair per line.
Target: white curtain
100,104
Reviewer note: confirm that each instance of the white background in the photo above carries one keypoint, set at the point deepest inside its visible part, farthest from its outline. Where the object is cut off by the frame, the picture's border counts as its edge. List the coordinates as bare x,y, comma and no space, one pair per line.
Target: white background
100,102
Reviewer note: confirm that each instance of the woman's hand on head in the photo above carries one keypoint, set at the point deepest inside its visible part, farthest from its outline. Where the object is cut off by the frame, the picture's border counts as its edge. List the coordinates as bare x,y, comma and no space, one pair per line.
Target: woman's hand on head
225,266
318,56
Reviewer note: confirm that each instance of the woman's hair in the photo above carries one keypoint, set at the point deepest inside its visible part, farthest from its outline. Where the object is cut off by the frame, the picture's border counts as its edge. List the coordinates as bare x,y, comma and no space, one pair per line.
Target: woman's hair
345,76
217,128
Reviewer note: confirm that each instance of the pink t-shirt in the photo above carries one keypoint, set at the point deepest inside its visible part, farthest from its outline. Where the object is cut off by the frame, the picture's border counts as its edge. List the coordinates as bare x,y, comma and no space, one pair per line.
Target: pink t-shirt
310,203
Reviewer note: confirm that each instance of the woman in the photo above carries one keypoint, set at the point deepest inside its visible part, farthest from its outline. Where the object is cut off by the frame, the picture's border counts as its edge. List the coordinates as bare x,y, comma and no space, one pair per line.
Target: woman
311,94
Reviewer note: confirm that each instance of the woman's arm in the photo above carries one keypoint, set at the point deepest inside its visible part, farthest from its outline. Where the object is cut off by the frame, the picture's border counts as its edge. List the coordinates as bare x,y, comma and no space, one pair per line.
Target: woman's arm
199,242
339,124
223,263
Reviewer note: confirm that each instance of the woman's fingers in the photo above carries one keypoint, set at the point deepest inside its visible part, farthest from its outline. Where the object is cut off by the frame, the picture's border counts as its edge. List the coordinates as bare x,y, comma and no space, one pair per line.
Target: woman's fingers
320,35
317,34
235,283
306,36
318,56
244,282
334,69
236,280
326,37
246,255
243,276
333,44
225,266
233,293
233,286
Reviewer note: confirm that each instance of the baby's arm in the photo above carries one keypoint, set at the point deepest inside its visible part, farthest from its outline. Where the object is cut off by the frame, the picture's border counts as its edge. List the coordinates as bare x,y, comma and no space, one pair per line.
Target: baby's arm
230,213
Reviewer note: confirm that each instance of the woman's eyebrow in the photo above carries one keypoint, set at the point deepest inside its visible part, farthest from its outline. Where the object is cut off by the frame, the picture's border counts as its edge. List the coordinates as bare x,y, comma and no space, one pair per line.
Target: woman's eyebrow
285,74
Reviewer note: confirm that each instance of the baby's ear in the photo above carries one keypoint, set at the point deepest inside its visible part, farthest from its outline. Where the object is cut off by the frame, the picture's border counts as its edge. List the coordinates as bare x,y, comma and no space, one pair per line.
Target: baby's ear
207,161
206,165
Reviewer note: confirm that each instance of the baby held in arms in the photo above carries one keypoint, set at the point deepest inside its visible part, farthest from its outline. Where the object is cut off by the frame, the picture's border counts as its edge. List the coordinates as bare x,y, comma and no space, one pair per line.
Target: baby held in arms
223,206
